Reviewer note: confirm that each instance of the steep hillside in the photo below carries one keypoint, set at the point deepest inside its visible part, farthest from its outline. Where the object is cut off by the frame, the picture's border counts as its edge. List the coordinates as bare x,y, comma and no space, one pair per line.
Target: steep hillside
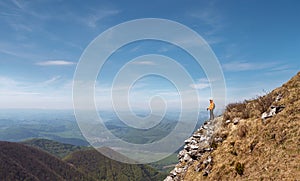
53,147
20,162
100,167
247,146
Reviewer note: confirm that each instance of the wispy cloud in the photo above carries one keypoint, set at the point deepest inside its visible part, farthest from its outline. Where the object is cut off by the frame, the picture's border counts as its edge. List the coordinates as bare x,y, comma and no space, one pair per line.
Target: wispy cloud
201,84
237,66
18,93
52,80
18,4
55,63
144,63
209,15
93,19
7,82
52,93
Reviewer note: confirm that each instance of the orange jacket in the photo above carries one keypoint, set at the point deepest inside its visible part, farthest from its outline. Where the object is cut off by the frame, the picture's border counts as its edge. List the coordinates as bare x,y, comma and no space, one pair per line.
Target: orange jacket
211,106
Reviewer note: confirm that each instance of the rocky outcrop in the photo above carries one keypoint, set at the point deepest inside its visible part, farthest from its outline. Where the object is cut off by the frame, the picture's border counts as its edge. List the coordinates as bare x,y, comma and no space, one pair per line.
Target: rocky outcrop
197,148
273,109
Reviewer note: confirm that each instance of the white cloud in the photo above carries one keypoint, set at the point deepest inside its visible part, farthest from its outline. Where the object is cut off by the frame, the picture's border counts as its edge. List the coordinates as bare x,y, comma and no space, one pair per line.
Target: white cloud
237,66
18,4
143,63
17,93
54,93
210,16
52,80
7,82
55,62
92,20
202,84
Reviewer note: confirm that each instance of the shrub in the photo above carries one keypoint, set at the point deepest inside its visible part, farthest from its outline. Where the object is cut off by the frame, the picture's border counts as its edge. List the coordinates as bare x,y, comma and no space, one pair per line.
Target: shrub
249,108
242,131
264,102
234,110
239,168
214,145
233,152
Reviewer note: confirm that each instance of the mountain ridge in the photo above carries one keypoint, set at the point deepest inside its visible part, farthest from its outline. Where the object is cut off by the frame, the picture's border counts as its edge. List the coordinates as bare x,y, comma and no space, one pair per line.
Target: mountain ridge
41,159
248,145
21,162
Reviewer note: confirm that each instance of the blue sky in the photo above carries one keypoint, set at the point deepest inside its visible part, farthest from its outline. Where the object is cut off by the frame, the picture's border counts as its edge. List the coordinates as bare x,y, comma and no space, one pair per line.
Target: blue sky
256,42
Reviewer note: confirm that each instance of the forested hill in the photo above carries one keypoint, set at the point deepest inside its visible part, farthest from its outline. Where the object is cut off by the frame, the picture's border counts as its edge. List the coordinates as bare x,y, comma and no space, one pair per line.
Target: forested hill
20,162
23,162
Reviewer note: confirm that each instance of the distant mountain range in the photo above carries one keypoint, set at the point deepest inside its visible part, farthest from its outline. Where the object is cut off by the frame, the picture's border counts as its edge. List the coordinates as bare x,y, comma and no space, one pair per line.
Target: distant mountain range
64,128
44,146
61,130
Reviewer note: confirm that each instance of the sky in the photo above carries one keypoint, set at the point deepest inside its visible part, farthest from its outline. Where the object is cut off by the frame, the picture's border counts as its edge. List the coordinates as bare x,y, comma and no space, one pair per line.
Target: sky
256,43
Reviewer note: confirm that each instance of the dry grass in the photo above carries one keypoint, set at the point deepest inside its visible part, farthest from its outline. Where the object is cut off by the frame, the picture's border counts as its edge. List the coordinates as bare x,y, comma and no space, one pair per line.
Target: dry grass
265,151
249,108
242,131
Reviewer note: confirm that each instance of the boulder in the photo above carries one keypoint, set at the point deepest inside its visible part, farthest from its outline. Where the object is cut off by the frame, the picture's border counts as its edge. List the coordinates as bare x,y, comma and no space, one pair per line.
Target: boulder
273,111
203,138
228,121
236,121
187,147
278,98
169,178
173,173
194,147
197,135
187,157
187,140
178,170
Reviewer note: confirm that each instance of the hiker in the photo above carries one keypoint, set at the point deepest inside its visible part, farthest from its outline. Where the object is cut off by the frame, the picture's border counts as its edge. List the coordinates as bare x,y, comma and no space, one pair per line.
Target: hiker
211,109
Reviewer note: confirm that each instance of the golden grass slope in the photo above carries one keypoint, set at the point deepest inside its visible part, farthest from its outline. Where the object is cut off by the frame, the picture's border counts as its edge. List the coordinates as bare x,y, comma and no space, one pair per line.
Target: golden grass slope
256,149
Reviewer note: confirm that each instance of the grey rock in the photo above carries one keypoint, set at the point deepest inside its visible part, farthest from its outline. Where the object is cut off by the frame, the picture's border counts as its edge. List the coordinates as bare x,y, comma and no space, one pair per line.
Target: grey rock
173,173
274,110
205,173
200,129
185,168
236,121
208,149
187,147
194,147
198,135
192,152
278,98
188,140
264,115
228,121
207,161
178,170
203,138
269,114
218,139
181,154
194,142
186,157
197,169
169,178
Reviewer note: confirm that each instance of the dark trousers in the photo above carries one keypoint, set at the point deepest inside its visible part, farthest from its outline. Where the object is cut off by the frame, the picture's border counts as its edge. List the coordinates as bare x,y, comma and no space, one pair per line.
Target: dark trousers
211,112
